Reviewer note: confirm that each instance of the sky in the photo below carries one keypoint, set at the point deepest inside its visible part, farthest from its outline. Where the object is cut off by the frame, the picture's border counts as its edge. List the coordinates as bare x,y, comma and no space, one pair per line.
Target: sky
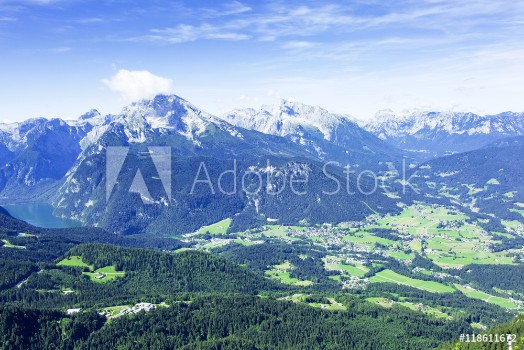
61,58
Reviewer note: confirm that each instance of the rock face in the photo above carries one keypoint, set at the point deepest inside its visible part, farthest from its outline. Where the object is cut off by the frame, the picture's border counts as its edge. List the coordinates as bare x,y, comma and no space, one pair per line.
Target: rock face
36,154
323,134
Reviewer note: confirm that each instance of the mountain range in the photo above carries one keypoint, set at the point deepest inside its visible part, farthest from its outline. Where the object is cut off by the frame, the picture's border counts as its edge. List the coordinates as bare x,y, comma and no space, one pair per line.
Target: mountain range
64,162
432,134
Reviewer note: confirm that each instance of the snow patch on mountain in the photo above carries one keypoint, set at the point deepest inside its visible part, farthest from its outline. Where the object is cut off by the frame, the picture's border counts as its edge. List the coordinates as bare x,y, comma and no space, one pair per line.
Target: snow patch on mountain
287,118
386,124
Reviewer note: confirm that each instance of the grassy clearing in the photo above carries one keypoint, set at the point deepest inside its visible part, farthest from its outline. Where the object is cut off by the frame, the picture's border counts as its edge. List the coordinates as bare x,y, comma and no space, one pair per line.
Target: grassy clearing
74,261
476,294
101,275
520,211
399,255
7,244
279,231
393,277
459,244
472,190
416,245
512,224
282,276
115,310
358,271
415,307
332,304
109,274
219,228
346,269
367,239
281,273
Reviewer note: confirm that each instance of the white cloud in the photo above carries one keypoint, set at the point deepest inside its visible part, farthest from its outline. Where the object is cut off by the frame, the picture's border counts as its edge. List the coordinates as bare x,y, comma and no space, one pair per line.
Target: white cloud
136,85
232,8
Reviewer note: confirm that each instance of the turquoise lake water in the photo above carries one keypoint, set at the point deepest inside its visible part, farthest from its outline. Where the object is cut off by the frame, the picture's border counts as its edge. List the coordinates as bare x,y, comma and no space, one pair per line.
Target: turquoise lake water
39,214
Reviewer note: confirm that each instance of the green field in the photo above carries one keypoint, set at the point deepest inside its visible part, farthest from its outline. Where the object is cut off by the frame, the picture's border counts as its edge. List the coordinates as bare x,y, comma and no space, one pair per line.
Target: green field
520,211
219,228
420,308
512,224
280,232
333,305
453,246
109,273
400,255
476,294
366,238
393,277
352,270
7,244
281,273
73,261
358,271
115,310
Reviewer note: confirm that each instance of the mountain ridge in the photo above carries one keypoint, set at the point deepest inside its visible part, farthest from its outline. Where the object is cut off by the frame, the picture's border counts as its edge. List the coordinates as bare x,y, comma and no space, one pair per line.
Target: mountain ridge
441,133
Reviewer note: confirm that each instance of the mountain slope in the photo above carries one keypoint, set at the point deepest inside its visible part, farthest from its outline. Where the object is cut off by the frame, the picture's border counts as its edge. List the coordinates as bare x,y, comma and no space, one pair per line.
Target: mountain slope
439,133
36,154
489,180
326,135
264,163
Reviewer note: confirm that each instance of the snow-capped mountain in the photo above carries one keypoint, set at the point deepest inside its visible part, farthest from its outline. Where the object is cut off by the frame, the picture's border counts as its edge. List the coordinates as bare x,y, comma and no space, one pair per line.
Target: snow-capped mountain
36,154
287,118
64,162
195,137
140,120
438,133
326,135
39,154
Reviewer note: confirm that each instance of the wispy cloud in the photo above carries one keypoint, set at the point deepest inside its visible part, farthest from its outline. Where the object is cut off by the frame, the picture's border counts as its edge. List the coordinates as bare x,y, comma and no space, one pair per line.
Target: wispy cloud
186,33
90,20
37,2
228,9
277,20
298,45
61,49
30,2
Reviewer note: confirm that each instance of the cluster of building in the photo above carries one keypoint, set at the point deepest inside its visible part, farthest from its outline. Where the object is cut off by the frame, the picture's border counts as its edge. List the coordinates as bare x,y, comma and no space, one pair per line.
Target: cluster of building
355,282
146,307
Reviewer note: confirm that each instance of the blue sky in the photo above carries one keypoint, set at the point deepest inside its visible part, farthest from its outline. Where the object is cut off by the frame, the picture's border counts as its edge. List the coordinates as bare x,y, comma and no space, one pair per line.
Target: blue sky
60,58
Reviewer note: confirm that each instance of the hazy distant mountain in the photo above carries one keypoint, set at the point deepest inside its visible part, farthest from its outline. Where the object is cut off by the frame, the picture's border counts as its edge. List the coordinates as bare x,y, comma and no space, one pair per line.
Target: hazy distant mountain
438,133
489,180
